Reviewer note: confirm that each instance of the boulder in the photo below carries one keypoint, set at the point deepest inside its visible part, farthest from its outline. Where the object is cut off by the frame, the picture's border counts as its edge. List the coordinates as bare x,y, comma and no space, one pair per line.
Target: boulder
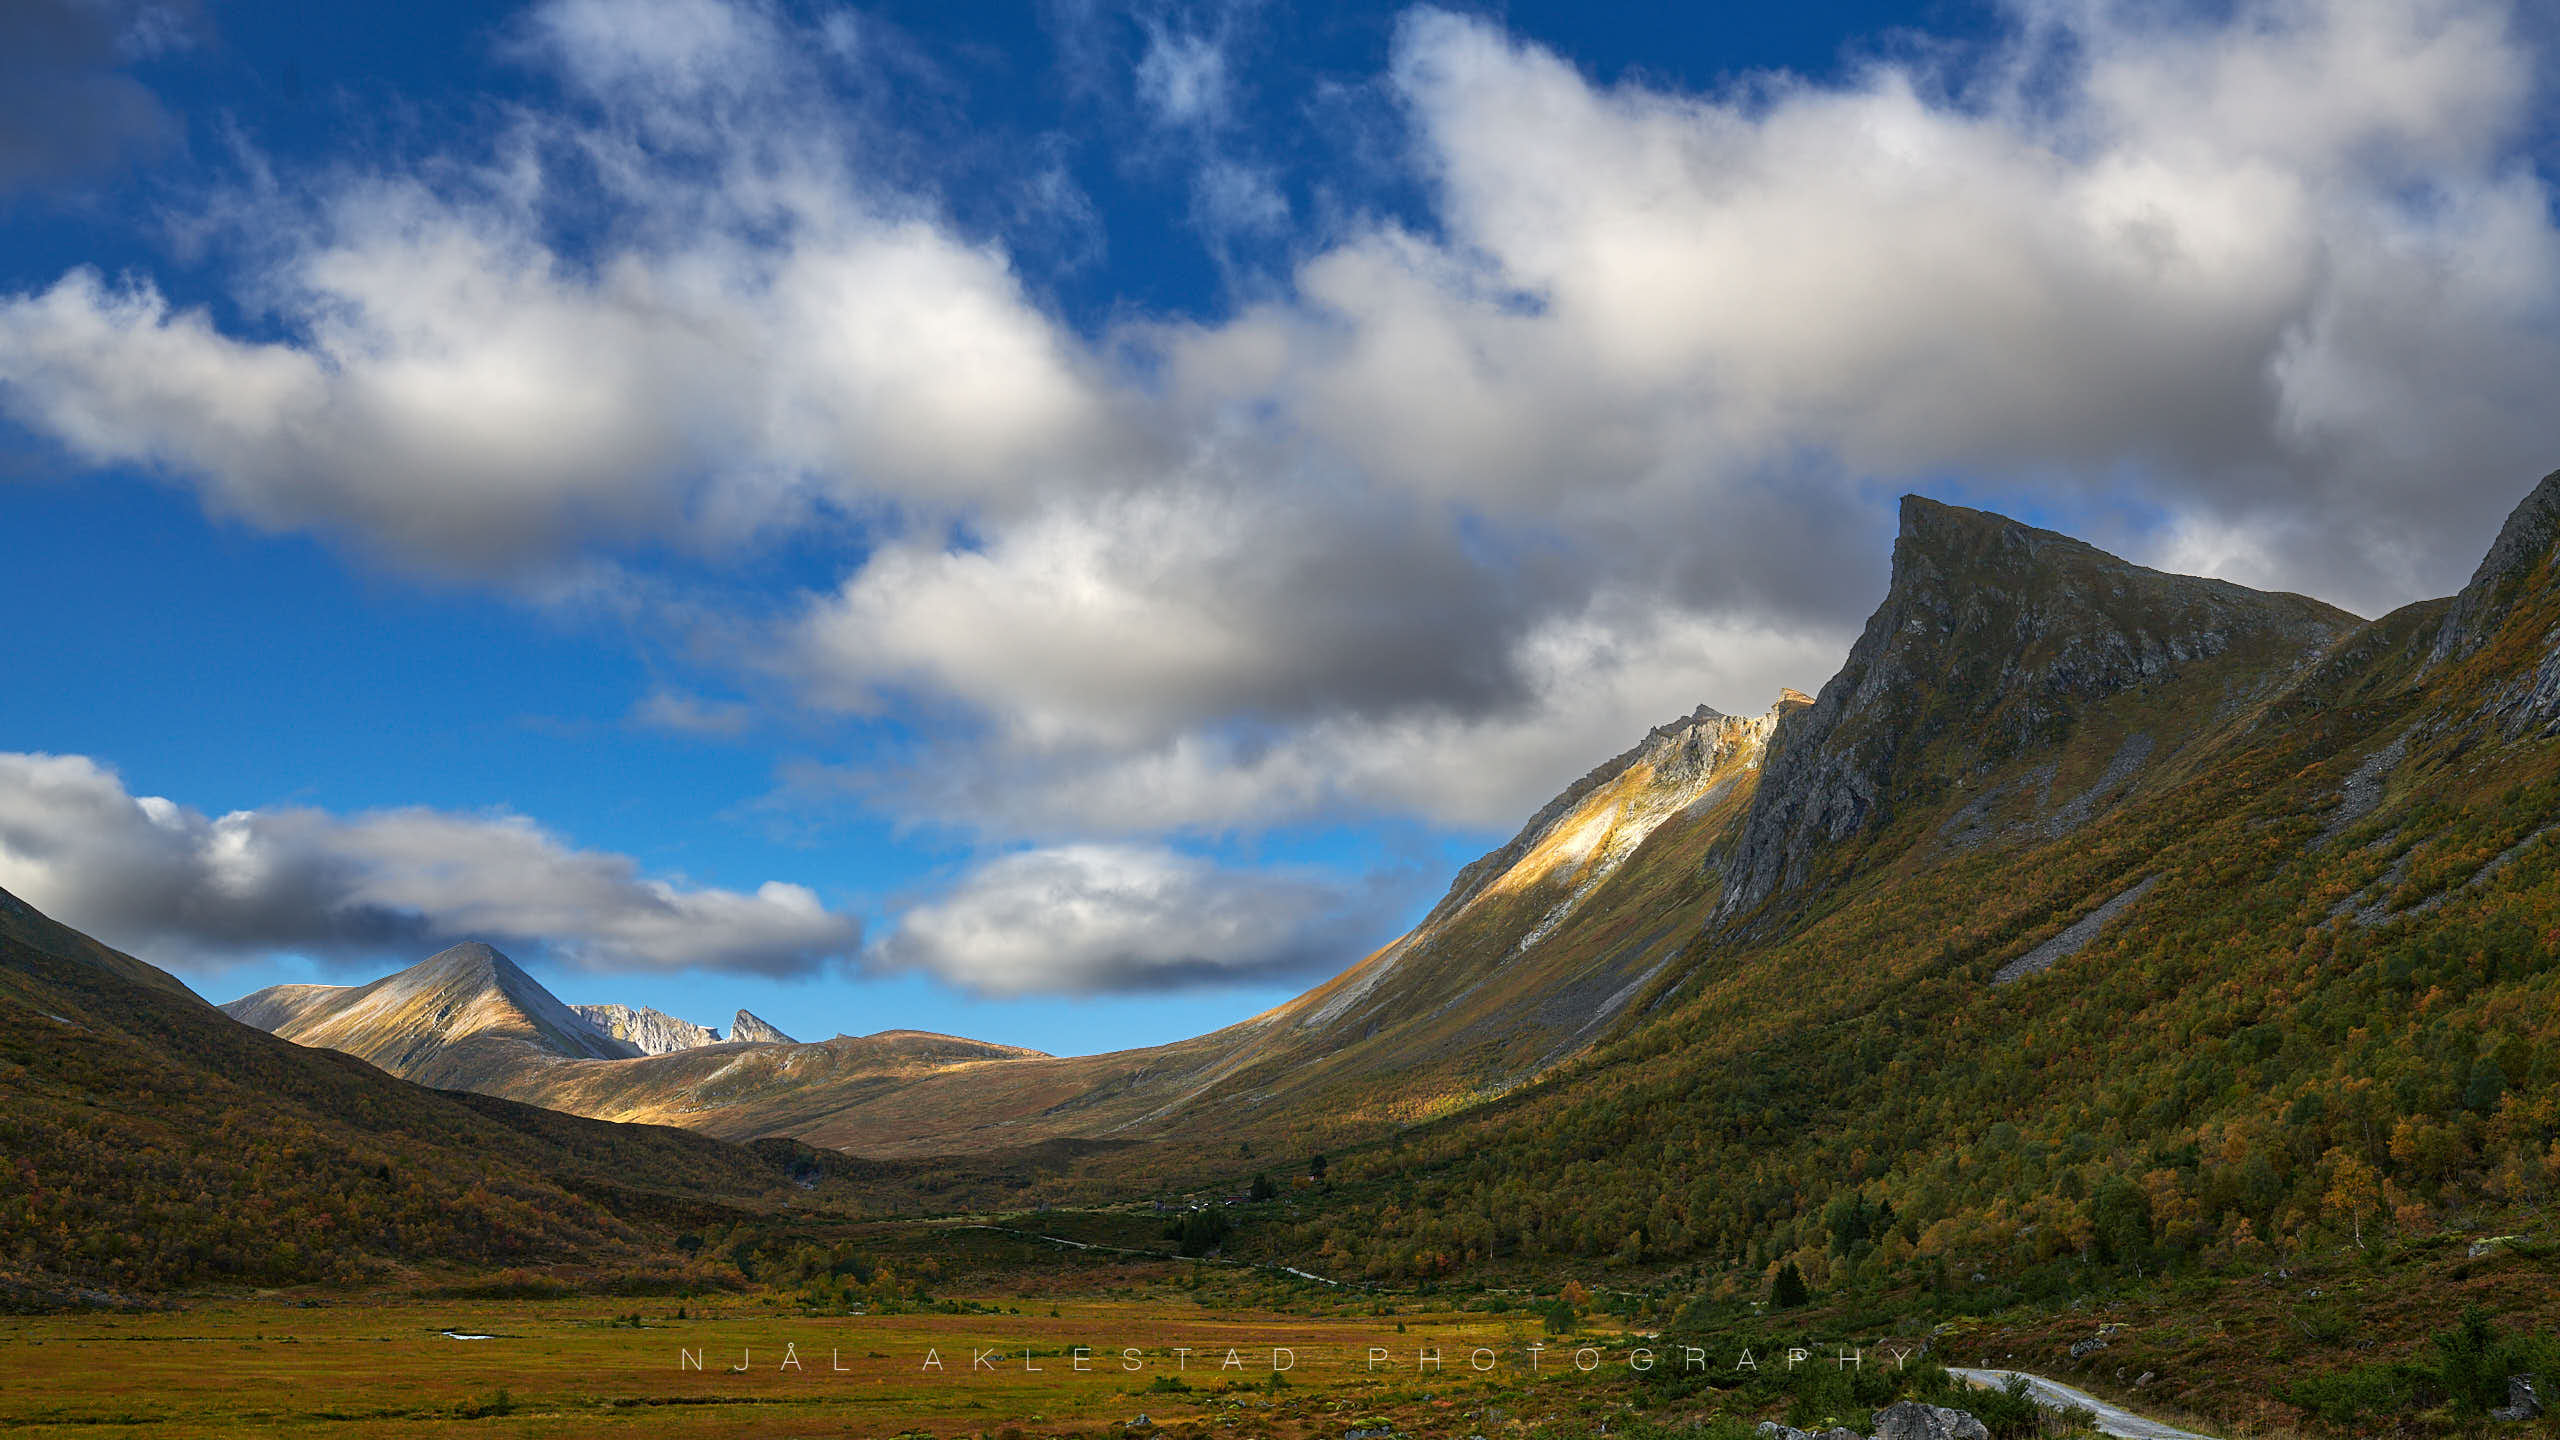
2522,1402
1912,1420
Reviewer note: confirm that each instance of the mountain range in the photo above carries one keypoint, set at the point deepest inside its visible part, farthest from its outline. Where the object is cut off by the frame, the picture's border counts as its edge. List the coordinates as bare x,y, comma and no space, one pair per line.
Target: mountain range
455,1015
2089,921
2016,694
1531,955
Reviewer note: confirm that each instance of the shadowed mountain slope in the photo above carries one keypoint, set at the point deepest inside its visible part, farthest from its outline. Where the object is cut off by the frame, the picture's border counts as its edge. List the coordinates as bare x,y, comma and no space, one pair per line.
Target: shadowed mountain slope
153,1140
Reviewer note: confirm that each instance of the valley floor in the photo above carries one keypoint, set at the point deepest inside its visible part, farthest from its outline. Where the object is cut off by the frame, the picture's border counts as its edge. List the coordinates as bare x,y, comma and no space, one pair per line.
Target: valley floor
393,1366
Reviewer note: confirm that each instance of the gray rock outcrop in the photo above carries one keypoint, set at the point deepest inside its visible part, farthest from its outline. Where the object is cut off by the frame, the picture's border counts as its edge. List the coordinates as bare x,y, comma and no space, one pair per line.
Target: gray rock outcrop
1914,1420
2523,1402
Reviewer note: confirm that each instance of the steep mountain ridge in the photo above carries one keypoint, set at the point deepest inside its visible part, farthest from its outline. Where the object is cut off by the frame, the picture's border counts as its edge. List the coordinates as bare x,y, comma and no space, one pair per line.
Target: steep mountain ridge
651,1032
654,1032
2508,610
2520,554
1995,641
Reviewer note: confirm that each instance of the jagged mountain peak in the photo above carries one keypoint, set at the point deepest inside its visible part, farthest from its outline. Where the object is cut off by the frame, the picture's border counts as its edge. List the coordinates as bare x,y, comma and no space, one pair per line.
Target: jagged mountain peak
748,1026
2523,548
1994,638
652,1032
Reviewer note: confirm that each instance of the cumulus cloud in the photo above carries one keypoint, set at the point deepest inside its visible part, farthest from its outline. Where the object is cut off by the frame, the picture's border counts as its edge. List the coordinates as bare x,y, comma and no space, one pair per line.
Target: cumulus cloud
759,334
1142,615
1592,684
2274,292
1080,918
2254,264
172,883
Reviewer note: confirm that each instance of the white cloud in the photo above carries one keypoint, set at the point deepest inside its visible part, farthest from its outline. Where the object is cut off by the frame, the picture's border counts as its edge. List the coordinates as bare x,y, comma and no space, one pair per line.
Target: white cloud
1082,918
2282,283
1137,616
1592,685
168,882
1182,78
758,335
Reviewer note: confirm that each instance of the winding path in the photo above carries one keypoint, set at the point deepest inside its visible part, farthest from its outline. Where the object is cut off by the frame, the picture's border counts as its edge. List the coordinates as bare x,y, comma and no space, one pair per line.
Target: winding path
2112,1419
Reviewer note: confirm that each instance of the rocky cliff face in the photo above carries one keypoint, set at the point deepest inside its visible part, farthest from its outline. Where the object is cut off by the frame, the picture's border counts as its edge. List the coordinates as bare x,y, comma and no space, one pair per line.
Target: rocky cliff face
2521,552
1586,833
1994,638
2513,591
651,1032
1680,754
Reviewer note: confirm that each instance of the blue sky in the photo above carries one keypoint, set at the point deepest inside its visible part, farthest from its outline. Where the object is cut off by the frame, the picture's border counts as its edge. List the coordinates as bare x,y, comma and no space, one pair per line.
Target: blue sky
1066,523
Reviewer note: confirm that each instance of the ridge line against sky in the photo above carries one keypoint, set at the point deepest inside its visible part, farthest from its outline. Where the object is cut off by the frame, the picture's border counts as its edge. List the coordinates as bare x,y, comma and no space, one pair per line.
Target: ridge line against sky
884,519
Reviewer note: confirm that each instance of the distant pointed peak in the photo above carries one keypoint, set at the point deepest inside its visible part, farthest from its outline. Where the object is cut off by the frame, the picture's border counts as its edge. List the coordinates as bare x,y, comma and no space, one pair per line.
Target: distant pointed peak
749,1027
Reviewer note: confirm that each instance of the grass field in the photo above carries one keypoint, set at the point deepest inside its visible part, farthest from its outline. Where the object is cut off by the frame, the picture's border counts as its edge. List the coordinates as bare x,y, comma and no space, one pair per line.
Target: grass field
282,1365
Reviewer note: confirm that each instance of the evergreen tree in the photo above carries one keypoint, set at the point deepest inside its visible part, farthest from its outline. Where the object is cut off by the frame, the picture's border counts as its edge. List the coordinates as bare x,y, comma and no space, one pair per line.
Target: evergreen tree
1789,1291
